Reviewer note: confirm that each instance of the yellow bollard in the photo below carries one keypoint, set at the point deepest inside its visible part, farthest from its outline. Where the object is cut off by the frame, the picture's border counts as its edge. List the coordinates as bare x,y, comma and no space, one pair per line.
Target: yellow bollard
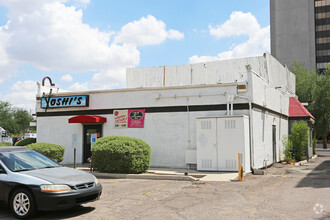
240,167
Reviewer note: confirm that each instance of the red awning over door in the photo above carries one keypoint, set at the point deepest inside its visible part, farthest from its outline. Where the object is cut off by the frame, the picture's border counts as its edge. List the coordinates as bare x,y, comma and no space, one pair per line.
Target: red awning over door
296,109
87,119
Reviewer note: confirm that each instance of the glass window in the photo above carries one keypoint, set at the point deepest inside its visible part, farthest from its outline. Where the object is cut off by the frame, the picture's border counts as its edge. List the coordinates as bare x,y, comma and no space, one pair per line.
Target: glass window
322,15
322,65
321,3
25,160
323,40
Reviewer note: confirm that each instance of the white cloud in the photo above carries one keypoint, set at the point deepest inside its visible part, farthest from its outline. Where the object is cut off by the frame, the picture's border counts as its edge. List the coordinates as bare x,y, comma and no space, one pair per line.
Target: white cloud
67,78
23,95
202,59
146,31
81,3
7,65
114,78
79,87
51,35
54,37
175,35
18,7
239,23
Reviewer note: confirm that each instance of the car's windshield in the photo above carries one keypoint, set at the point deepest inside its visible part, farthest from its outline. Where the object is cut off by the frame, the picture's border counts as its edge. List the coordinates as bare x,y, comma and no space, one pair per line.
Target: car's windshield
26,160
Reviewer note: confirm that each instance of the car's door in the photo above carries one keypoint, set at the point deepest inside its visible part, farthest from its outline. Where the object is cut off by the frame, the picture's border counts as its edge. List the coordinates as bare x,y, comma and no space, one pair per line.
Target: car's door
3,180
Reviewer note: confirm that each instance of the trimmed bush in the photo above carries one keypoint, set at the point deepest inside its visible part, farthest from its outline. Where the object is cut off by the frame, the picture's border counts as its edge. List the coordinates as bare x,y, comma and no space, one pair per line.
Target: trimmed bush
119,154
5,144
52,151
26,142
299,138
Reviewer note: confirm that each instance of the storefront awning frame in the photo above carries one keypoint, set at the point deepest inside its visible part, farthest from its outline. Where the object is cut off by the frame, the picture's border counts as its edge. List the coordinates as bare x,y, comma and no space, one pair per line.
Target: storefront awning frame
87,119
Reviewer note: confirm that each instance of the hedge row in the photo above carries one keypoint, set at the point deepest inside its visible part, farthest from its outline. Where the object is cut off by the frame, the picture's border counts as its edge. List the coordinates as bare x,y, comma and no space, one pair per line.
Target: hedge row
52,151
26,141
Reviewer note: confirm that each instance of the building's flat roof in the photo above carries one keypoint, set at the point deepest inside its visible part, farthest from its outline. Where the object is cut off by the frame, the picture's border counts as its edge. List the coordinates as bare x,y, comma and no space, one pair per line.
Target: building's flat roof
87,92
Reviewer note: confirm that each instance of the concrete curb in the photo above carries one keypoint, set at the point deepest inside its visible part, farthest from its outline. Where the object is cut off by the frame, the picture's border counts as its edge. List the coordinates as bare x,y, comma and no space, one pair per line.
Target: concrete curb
143,176
305,161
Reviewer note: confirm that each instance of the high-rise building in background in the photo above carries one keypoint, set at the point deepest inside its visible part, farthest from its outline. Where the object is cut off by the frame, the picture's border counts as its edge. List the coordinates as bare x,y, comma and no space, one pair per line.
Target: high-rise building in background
300,31
322,33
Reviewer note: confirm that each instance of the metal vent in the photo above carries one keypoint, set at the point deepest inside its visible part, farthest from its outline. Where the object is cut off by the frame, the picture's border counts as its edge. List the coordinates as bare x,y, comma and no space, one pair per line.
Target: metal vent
206,163
206,125
84,186
230,124
231,164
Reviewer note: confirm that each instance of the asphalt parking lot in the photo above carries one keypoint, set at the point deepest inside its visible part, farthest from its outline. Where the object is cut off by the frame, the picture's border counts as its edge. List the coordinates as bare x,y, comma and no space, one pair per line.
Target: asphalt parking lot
286,192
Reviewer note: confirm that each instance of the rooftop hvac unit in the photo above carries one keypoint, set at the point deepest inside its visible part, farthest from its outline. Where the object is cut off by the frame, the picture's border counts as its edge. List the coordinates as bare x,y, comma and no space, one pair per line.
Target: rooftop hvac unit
219,140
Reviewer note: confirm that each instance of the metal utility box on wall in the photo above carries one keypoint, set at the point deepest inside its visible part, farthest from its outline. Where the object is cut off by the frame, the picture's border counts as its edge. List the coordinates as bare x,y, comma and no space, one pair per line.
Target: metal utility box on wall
219,140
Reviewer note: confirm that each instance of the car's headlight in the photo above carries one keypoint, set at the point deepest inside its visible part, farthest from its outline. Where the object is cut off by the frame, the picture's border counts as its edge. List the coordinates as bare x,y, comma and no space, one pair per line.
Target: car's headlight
96,181
55,188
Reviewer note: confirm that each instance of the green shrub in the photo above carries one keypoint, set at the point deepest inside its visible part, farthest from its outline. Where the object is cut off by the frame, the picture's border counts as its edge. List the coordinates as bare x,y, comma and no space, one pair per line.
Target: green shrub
5,144
117,154
288,150
52,151
26,142
299,138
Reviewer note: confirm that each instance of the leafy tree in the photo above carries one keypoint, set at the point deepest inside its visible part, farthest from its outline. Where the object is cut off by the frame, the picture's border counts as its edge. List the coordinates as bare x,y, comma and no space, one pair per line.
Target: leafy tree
320,105
314,88
6,117
14,120
21,119
305,82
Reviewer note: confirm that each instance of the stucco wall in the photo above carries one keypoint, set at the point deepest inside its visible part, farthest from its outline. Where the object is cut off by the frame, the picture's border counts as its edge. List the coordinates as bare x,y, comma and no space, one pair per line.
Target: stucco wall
224,71
57,130
263,139
169,134
171,130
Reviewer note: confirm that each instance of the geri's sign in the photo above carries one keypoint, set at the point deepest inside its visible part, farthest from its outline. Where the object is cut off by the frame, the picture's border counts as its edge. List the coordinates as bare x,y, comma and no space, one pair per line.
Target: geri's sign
65,101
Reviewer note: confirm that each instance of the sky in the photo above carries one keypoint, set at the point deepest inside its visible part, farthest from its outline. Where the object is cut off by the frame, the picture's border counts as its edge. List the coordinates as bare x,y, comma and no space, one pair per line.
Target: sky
88,44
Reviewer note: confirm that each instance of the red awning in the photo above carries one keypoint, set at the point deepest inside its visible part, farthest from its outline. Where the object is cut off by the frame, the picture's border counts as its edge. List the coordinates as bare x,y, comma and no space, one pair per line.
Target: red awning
296,109
87,119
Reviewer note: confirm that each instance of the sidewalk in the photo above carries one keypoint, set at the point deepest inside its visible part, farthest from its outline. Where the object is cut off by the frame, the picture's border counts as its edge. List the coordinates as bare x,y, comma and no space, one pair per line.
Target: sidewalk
167,174
178,174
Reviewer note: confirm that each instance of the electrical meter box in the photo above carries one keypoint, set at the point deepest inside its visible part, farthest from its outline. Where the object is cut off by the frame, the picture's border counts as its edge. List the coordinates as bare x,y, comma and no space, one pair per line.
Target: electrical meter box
219,140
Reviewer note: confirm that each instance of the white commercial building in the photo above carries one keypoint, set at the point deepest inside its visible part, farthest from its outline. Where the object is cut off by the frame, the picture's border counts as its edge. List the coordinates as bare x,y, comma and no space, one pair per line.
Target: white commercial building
195,115
5,137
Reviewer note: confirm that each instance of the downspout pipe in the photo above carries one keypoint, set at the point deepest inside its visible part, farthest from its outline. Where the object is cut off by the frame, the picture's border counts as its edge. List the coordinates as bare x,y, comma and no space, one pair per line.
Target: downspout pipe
188,115
228,101
250,131
232,105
